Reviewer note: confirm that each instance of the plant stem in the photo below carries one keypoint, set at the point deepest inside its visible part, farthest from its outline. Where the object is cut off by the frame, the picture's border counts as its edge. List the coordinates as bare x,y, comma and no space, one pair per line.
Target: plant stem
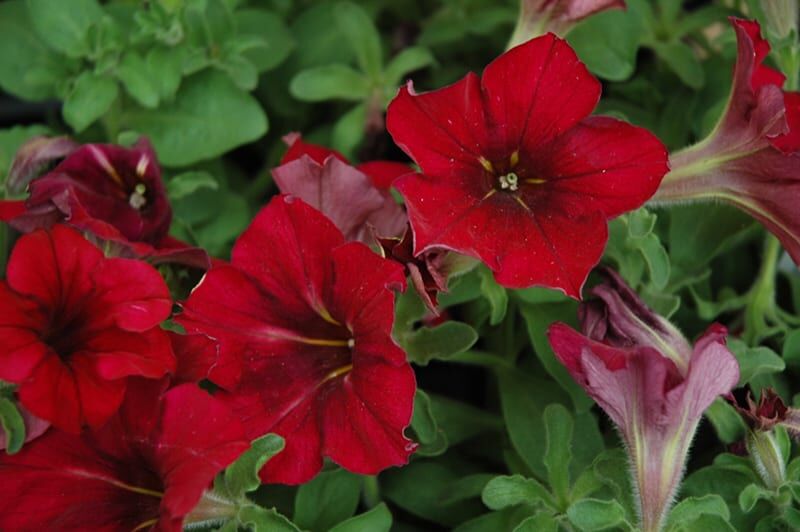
371,495
761,308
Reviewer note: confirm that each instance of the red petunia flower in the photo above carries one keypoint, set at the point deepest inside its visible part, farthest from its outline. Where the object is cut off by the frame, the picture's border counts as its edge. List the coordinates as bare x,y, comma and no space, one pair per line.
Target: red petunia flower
356,199
751,160
304,324
112,192
537,17
74,326
146,469
649,380
515,172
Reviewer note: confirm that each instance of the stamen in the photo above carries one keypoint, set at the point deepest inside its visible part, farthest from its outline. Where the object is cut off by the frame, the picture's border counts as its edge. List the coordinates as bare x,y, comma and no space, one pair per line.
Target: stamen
509,182
514,160
137,199
141,166
103,161
534,181
338,372
486,163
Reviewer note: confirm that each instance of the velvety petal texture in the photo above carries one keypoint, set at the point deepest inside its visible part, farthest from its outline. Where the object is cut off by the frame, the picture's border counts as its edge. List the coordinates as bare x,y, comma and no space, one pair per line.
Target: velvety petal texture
74,326
303,321
654,398
752,158
516,173
112,192
146,469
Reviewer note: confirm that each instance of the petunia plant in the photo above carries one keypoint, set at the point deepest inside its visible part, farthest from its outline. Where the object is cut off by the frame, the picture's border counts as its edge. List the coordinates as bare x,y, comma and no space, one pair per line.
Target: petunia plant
518,265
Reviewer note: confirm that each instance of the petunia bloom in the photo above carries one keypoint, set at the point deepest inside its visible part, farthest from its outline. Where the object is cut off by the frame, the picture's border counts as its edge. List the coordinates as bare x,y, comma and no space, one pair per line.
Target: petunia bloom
537,17
114,193
303,320
751,160
652,384
146,469
515,171
355,198
75,326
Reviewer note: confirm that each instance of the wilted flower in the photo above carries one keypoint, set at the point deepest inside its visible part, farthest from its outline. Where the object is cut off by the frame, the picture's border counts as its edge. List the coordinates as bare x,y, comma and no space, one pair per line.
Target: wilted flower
650,381
515,171
355,198
537,17
752,158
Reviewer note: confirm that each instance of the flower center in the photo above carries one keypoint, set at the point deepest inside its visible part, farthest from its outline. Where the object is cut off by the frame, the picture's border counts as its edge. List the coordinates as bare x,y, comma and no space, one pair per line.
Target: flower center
137,199
63,335
509,181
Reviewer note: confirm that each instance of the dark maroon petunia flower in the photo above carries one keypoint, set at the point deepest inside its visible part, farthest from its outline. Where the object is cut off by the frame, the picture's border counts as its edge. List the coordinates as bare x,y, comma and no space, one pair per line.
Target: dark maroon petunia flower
515,172
751,159
146,469
304,322
74,326
355,198
112,192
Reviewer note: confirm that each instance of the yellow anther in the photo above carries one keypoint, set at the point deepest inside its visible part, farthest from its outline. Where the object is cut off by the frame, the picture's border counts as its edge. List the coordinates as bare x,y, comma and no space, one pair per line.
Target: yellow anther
514,160
535,181
486,163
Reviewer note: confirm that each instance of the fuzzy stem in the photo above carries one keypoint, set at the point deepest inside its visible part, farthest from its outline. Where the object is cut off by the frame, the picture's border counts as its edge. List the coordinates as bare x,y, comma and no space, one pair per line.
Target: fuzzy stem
767,457
761,307
372,491
211,509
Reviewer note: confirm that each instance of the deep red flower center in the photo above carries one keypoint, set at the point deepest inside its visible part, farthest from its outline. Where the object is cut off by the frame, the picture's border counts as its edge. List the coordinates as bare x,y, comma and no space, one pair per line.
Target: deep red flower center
507,174
141,491
64,333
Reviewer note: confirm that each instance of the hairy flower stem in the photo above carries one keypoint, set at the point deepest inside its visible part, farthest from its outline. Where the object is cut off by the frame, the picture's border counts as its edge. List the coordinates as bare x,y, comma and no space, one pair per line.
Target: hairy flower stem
211,509
767,457
761,309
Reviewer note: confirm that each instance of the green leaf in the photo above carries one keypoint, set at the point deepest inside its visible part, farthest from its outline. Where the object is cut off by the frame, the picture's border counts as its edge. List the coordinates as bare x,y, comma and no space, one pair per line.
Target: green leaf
704,523
64,24
242,476
433,441
210,116
188,182
505,491
260,519
90,98
438,343
329,82
331,497
408,60
558,454
754,361
681,59
657,260
608,54
138,80
595,514
460,421
348,132
791,349
241,71
692,508
164,65
33,70
750,496
726,421
495,294
379,519
523,398
537,319
362,35
468,487
542,522
13,425
277,39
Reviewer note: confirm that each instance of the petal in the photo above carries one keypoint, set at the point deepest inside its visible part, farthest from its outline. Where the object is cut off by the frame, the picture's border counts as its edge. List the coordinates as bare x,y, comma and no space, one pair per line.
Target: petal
35,156
445,130
365,415
53,267
99,397
299,239
342,193
535,92
608,164
383,173
195,354
790,142
132,292
117,354
51,393
199,438
297,147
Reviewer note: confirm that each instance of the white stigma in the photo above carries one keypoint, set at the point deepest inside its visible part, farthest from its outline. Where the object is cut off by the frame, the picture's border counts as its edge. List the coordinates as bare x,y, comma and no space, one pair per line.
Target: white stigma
509,182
